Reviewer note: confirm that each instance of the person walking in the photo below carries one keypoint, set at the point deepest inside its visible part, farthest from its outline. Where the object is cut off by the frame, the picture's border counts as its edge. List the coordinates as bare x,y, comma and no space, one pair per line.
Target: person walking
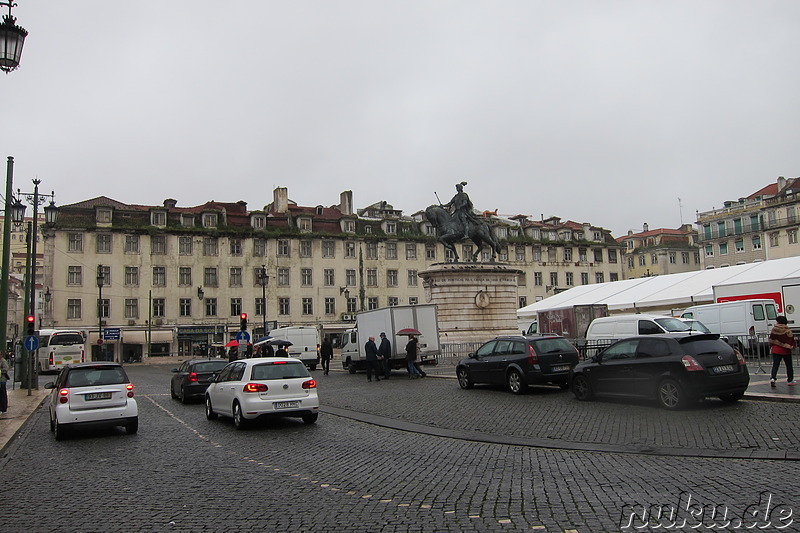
4,378
325,354
411,358
281,351
385,351
372,358
781,342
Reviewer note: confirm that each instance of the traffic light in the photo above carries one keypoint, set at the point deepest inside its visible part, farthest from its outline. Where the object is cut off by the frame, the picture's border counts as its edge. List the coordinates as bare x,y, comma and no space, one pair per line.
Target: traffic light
30,320
243,320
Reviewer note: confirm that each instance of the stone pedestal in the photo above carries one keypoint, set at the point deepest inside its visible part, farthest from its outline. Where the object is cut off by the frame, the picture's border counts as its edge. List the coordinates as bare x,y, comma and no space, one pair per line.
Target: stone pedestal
474,301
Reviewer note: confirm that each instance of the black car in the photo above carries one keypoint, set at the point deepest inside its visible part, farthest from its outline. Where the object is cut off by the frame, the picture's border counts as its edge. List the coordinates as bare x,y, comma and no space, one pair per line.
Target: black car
191,379
519,362
676,369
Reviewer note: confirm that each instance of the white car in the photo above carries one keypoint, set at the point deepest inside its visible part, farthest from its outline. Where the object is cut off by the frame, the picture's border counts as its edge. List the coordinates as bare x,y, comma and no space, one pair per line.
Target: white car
270,386
92,394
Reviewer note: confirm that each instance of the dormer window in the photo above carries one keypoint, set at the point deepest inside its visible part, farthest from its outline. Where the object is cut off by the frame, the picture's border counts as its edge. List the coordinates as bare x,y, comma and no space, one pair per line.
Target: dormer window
103,215
367,229
187,221
158,218
391,228
319,210
349,226
304,223
258,221
210,220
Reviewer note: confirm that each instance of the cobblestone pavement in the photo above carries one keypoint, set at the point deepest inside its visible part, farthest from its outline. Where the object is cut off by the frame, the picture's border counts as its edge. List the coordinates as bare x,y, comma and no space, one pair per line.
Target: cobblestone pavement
182,472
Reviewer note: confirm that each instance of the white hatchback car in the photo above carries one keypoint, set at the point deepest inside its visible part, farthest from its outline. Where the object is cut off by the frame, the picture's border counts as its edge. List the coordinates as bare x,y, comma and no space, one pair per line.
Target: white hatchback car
270,386
92,394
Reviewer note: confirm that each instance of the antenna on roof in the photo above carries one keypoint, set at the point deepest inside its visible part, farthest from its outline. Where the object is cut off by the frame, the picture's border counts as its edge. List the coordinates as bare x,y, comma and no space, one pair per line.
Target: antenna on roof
680,210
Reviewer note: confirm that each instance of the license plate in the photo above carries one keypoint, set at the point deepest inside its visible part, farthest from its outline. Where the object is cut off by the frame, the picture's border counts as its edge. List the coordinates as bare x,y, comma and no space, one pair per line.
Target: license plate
722,369
98,396
562,368
286,405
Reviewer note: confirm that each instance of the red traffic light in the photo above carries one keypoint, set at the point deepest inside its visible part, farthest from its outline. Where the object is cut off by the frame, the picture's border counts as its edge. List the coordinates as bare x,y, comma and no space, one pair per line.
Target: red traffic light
30,319
243,316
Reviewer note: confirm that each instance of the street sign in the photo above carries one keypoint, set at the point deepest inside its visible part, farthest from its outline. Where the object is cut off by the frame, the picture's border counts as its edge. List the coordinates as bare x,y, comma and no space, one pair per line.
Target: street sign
31,343
243,337
111,334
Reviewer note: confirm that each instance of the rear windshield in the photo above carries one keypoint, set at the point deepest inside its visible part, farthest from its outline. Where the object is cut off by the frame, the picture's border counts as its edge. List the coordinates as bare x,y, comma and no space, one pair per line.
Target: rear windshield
552,346
279,371
673,324
210,366
696,346
88,376
66,339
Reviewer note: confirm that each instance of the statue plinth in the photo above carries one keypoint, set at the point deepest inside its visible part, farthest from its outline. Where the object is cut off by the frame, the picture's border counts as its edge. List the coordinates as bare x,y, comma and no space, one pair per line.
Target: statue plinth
474,301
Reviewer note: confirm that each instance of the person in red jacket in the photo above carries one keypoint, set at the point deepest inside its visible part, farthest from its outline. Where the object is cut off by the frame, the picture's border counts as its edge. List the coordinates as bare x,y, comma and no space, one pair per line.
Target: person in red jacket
781,341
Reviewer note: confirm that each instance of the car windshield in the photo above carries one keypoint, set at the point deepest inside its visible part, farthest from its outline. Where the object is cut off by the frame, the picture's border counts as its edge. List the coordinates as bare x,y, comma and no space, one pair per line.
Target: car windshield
210,366
552,346
90,376
673,324
279,370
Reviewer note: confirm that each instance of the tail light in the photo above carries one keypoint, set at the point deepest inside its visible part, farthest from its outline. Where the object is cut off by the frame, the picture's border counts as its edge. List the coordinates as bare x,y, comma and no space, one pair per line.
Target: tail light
532,357
317,349
62,395
192,376
255,387
740,357
82,356
129,386
50,359
310,384
691,364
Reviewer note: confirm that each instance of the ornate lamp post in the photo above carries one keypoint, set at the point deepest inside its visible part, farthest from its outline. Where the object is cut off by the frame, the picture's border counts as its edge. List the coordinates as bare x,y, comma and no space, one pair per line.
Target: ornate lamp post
12,37
263,278
100,282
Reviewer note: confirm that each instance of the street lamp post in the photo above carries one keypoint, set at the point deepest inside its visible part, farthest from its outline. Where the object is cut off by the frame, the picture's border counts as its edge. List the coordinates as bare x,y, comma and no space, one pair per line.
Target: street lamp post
100,279
263,279
12,38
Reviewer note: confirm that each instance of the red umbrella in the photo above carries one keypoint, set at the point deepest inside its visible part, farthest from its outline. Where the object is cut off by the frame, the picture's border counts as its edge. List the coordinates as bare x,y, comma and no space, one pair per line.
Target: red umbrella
232,343
408,331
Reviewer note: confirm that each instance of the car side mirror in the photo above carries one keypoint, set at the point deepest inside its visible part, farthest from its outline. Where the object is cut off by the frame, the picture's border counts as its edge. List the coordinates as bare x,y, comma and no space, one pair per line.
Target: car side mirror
597,359
50,385
174,370
213,378
473,355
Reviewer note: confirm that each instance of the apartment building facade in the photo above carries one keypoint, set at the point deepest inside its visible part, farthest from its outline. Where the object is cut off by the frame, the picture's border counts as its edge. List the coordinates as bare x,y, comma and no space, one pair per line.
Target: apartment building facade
660,251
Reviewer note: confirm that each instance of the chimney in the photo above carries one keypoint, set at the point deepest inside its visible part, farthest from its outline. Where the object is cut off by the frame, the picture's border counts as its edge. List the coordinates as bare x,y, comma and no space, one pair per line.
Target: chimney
280,203
587,232
169,203
645,227
781,183
346,202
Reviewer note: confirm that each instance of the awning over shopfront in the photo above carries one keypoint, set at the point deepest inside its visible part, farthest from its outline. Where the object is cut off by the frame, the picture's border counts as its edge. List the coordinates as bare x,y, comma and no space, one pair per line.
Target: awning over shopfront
140,337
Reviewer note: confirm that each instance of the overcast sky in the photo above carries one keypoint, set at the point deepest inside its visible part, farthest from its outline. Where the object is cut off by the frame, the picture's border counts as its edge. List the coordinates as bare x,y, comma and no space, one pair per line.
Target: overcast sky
604,112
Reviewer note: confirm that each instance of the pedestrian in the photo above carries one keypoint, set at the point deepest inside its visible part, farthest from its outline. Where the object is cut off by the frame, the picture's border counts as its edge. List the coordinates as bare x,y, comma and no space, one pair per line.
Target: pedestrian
385,351
269,351
373,359
281,351
782,342
325,354
411,358
233,354
4,377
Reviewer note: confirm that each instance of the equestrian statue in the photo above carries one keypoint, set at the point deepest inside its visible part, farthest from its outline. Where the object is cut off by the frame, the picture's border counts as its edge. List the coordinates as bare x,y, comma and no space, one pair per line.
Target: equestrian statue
461,222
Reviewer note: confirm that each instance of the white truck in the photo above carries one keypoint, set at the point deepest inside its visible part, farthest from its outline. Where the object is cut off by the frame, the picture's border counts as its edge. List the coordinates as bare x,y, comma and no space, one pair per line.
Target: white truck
741,322
390,320
785,292
305,343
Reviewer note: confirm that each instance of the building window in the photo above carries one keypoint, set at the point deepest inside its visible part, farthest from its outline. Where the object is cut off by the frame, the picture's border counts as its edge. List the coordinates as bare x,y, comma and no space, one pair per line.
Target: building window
598,277
283,247
308,306
411,251
304,224
185,276
612,256
569,281
723,248
653,259
158,245
75,243
372,303
537,279
306,277
103,216
738,246
642,260
185,307
413,278
159,276
391,278
582,255
283,306
372,250
721,229
73,308
185,245
349,249
598,255
413,300
430,252
352,304
75,275
503,255
210,277
260,308
259,247
466,251
584,278
430,230
209,220
235,277
372,277
567,255
131,276
328,249
350,277
210,246
349,226
131,308
774,239
522,279
104,308
519,254
187,221
131,244
103,243
449,255
391,228
522,301
709,250
158,218
554,279
368,229
305,248
673,258
259,222
613,276
283,277
236,247
159,307
537,253
756,242
236,306
792,236
685,258
391,250
393,301
211,306
330,306
630,261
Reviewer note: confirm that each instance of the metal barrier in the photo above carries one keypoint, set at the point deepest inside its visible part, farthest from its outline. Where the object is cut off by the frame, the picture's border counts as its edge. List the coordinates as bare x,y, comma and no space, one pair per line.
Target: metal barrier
453,352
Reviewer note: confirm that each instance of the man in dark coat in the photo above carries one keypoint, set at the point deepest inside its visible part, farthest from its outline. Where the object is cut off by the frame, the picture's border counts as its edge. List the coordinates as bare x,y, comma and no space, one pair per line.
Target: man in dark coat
372,358
385,351
325,354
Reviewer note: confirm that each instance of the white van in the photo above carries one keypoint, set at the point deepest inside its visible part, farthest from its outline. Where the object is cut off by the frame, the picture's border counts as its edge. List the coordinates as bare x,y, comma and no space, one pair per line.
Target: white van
740,318
615,327
59,347
305,343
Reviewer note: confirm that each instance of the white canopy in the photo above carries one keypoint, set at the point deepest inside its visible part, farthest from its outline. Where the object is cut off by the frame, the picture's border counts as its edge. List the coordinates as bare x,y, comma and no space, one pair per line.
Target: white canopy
663,293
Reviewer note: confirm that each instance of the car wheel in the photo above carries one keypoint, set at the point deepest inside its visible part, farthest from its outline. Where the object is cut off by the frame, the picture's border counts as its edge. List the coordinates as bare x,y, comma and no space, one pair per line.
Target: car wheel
239,421
670,395
310,418
581,388
132,426
52,424
172,392
516,383
732,397
210,414
183,396
351,367
60,431
463,378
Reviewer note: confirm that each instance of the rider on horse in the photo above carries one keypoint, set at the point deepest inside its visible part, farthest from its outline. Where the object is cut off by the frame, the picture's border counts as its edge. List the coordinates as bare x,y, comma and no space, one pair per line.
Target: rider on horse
462,209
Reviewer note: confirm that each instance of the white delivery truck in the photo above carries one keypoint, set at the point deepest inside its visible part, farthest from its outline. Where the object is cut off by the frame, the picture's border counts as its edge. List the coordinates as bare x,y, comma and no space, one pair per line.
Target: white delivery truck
60,347
785,292
305,343
390,320
740,321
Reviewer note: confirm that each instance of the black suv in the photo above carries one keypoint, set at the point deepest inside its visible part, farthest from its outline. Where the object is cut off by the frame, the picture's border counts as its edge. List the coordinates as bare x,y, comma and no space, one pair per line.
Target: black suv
519,362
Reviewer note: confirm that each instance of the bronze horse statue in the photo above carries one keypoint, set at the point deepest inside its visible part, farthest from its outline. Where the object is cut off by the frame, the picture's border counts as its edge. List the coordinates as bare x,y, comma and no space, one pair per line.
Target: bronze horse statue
450,231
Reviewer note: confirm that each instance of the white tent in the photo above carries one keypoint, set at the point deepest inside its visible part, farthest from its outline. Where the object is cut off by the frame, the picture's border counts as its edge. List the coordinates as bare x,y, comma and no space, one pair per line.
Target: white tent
661,294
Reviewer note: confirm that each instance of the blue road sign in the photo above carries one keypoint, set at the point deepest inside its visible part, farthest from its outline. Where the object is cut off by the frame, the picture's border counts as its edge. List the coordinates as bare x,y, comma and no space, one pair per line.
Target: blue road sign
243,336
31,343
111,334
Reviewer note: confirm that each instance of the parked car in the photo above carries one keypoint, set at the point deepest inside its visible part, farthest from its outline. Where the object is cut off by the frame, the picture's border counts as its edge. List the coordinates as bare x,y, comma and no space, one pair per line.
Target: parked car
676,369
519,362
248,389
617,327
191,379
92,394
